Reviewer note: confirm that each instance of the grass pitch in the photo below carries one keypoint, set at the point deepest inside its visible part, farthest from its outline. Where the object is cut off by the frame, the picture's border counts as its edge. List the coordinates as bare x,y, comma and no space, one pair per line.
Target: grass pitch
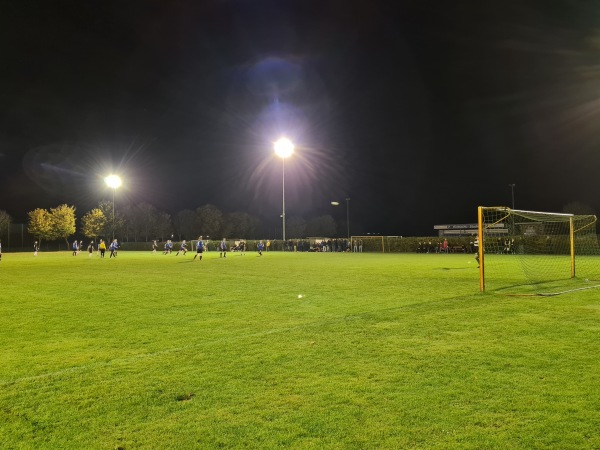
381,351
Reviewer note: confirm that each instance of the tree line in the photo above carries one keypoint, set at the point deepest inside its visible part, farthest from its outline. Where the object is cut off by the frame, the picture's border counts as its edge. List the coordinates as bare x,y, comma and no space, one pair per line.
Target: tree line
143,222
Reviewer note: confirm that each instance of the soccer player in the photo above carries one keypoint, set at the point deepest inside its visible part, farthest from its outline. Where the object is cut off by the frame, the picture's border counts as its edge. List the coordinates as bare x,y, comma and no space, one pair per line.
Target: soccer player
223,248
260,247
114,246
36,248
168,247
75,247
476,247
154,246
102,248
91,248
182,249
199,248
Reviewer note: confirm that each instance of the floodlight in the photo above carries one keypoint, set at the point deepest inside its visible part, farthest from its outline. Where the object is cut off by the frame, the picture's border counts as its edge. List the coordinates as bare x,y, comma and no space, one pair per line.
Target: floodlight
113,181
284,148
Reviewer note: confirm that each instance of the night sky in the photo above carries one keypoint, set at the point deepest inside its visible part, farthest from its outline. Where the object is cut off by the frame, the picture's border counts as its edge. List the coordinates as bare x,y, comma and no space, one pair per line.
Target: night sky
419,111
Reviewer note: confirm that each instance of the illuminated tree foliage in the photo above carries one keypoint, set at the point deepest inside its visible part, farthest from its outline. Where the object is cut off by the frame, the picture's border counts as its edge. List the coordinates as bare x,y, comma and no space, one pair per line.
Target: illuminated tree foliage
63,222
93,223
40,224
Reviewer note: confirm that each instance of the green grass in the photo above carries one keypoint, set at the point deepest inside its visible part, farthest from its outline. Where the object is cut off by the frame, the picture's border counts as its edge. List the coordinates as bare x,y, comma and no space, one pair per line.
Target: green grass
382,351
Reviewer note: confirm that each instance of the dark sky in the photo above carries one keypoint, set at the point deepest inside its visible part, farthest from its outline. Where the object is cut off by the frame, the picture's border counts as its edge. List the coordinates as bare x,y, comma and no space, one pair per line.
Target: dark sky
419,111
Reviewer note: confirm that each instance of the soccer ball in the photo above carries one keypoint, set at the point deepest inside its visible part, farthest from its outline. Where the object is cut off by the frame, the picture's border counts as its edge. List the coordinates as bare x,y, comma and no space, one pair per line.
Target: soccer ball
299,295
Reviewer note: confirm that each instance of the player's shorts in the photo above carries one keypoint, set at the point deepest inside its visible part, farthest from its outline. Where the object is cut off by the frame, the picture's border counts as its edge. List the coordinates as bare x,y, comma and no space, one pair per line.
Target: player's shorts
199,250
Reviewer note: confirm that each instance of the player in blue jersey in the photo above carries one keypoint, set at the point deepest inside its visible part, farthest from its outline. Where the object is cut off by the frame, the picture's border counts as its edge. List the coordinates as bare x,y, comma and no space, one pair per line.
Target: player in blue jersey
168,247
199,248
223,248
75,247
182,249
260,246
114,246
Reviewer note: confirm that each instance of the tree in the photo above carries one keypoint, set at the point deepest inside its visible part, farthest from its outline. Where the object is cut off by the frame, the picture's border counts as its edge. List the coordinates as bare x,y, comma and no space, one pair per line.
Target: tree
209,220
184,224
5,221
321,226
147,217
240,225
62,219
93,223
296,227
113,222
163,225
40,224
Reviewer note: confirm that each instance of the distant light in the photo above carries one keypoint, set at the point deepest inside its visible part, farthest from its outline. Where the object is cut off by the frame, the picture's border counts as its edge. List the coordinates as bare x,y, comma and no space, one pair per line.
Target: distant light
284,148
335,203
113,181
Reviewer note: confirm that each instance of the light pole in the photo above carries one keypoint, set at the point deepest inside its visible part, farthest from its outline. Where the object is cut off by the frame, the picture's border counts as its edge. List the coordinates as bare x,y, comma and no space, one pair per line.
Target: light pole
348,215
113,181
512,222
284,148
512,192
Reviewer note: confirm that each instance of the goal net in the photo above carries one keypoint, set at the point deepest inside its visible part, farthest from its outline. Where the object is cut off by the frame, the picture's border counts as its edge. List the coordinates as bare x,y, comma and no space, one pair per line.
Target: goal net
545,252
367,244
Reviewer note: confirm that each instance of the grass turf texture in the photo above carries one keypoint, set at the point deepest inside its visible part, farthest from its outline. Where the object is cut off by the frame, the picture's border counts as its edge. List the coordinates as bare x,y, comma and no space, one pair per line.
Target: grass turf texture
382,351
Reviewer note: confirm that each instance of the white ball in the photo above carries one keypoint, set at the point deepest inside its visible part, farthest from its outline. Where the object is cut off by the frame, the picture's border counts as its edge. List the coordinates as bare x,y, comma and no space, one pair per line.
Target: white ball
299,295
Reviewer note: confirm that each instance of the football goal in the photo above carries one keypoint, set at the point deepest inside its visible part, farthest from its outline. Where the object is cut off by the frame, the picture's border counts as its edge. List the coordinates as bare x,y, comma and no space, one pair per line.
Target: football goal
553,251
367,244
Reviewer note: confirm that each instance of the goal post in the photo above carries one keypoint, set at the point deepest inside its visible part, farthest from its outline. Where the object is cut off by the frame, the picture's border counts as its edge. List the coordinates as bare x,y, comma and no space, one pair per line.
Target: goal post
547,246
367,243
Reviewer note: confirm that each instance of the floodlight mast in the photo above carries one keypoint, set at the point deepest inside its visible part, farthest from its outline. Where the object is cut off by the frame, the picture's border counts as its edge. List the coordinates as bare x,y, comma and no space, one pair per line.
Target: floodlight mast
334,203
284,148
348,215
512,192
114,182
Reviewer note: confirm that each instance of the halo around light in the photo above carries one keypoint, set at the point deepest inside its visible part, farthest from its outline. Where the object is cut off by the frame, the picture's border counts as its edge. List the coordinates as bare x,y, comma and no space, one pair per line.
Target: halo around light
284,147
113,181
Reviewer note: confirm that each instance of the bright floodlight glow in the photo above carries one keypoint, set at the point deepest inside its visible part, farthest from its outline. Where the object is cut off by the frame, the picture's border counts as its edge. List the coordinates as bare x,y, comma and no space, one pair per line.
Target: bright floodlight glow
284,147
113,181
335,203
